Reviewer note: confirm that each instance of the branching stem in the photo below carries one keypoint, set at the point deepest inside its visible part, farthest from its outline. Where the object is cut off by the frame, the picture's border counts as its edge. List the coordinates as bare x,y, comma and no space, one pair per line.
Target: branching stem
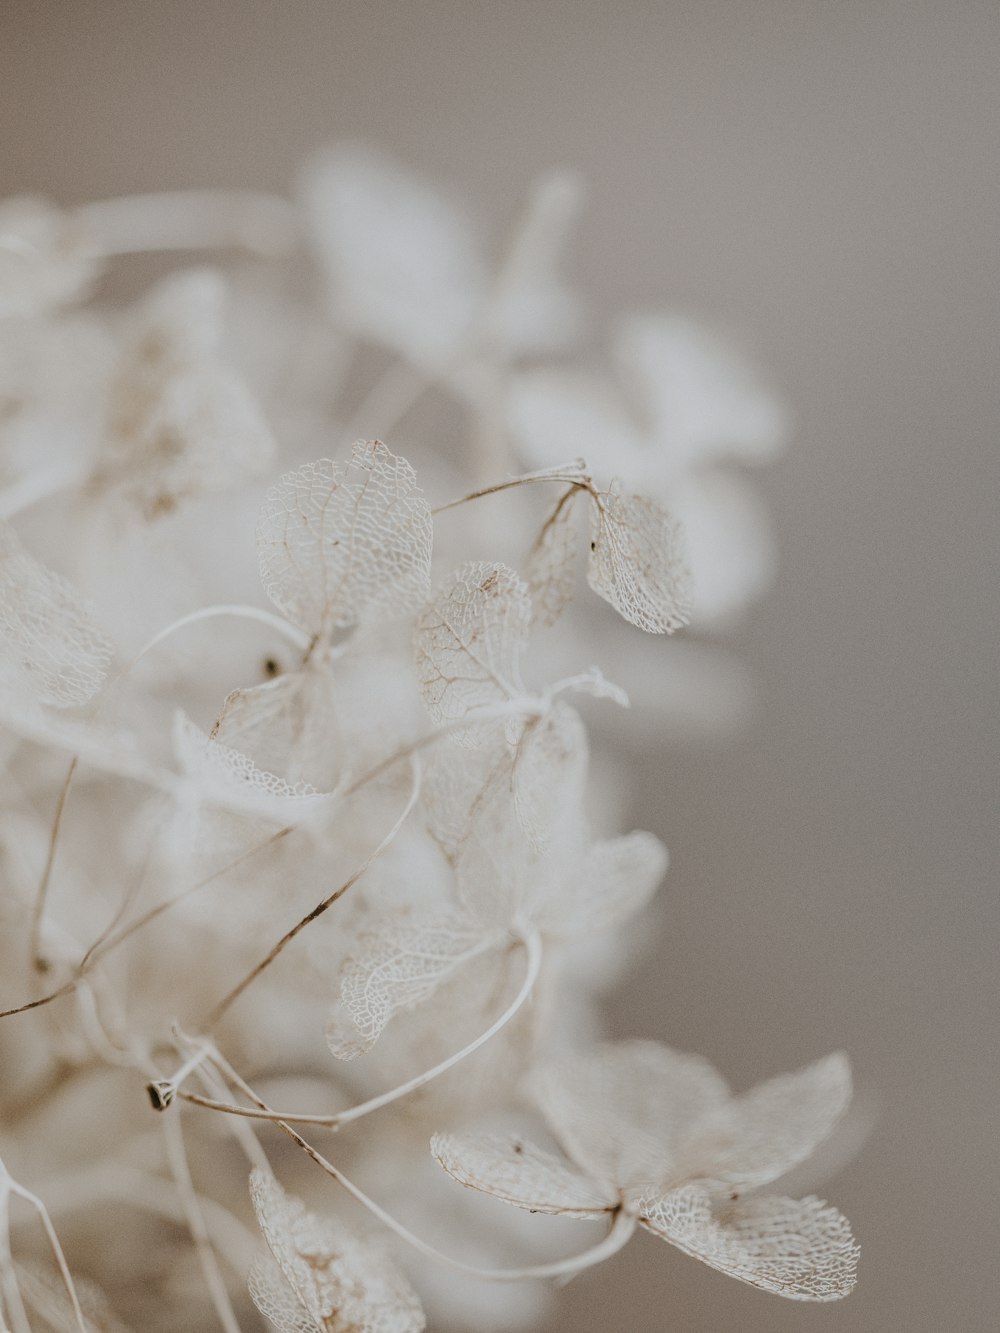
533,947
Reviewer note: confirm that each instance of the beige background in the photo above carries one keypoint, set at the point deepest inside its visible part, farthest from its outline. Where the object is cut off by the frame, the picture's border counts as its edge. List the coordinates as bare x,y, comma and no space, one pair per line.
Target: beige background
823,175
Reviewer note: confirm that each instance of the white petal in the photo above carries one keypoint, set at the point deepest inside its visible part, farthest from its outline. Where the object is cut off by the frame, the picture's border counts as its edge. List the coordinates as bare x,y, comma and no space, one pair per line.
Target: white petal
342,1281
287,726
556,415
763,1134
703,400
51,648
469,641
550,569
400,259
619,1110
341,546
399,964
637,562
799,1248
520,1173
616,879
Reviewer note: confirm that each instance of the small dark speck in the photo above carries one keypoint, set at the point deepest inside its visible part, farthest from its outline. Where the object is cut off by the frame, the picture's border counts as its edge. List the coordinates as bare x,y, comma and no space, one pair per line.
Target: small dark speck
593,546
519,1147
272,667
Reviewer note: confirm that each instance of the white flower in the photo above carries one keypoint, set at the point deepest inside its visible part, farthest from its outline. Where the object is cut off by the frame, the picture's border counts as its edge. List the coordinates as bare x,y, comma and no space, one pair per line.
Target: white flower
658,1134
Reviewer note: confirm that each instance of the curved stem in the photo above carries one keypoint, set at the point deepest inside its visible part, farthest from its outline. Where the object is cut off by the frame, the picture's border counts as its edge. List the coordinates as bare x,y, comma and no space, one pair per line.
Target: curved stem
191,220
291,632
38,962
621,1231
533,945
220,1009
571,474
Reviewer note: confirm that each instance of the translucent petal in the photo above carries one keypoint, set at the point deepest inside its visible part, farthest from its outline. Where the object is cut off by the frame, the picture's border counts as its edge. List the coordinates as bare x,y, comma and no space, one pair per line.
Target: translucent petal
702,398
398,965
619,1110
274,1297
637,562
343,1282
799,1248
51,648
401,261
181,422
456,782
550,775
469,640
520,1173
346,545
229,777
287,726
45,1294
550,569
615,879
758,1137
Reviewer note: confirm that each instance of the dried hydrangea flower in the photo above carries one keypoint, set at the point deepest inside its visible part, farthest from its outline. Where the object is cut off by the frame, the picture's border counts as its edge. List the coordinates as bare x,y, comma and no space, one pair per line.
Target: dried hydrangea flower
657,1134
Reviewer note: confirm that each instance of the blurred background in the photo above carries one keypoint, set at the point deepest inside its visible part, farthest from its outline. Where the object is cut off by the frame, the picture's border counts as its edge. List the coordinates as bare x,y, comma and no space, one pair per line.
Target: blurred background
822,179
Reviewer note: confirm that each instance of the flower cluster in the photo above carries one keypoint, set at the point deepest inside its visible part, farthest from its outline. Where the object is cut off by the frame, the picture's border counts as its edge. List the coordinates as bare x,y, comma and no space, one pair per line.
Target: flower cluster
316,840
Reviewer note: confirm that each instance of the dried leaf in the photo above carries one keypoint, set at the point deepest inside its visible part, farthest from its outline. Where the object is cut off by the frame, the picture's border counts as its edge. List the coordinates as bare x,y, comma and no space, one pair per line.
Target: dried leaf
469,641
344,546
521,1173
51,650
230,778
637,562
343,1282
799,1248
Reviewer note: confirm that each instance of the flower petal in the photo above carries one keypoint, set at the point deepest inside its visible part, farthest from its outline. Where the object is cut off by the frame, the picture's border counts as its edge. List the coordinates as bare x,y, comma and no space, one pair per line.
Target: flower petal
521,1173
799,1248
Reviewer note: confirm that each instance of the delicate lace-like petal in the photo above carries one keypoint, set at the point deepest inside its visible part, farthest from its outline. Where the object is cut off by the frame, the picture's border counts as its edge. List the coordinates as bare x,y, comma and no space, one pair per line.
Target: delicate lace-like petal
456,782
182,423
401,262
520,1173
620,1109
637,562
343,1282
616,879
469,641
46,1296
761,1135
397,966
550,570
799,1248
51,649
549,776
343,546
231,778
287,726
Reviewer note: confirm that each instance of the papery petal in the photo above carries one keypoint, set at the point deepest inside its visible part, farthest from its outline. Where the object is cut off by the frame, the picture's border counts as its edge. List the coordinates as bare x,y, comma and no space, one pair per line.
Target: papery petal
638,563
799,1248
395,966
763,1134
346,545
619,1110
521,1173
342,1281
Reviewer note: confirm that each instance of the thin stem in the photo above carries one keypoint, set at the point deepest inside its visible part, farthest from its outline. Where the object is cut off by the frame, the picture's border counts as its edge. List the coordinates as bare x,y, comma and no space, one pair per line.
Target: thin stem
8,1186
38,962
224,1004
624,1223
292,633
572,474
162,1091
177,1160
533,946
191,220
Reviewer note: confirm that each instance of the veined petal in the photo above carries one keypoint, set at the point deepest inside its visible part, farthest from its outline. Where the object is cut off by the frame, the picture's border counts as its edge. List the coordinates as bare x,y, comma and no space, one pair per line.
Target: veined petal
799,1248
522,1174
